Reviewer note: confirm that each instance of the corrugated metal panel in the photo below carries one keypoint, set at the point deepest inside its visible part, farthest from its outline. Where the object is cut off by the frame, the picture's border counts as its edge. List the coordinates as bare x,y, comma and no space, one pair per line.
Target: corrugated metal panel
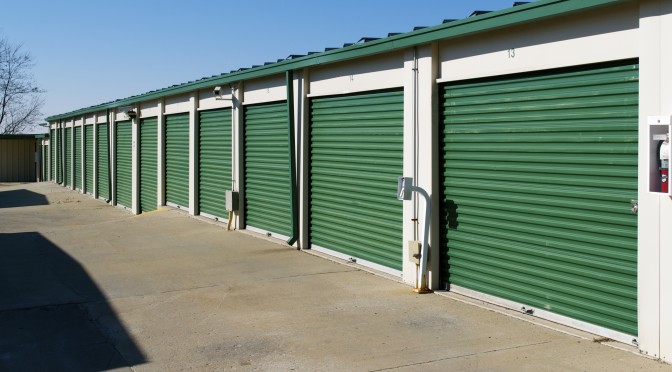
17,159
356,157
52,155
148,164
267,178
539,172
88,158
68,157
214,161
103,162
177,159
77,160
124,162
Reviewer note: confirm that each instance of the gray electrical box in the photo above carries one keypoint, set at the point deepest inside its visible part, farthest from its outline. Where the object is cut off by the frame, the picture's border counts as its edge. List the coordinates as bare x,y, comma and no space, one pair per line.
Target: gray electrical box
231,200
404,185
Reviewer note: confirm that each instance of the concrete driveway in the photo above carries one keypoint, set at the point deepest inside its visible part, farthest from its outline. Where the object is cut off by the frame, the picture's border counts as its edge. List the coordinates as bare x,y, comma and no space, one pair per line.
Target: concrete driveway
89,287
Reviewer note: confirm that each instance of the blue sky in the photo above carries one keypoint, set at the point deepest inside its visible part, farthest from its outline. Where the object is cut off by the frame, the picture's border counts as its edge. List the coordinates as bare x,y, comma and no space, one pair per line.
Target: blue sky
90,52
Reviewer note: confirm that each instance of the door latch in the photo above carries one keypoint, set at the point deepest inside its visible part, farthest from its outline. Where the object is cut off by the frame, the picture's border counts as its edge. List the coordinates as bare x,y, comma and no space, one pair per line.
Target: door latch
635,206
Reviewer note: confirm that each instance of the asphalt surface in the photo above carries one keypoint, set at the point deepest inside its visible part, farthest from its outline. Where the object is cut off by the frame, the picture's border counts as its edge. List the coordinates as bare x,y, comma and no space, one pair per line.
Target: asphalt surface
89,287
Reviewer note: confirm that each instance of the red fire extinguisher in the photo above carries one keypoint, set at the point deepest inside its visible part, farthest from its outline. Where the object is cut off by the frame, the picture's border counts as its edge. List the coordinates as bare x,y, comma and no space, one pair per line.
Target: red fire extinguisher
665,165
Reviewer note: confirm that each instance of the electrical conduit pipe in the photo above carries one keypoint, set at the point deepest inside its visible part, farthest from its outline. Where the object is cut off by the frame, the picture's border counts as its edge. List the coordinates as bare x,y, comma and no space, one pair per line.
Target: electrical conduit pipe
405,188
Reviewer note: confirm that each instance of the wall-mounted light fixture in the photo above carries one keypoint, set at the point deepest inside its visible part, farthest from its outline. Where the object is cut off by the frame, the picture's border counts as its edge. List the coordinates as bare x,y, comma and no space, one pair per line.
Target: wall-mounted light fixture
217,92
131,114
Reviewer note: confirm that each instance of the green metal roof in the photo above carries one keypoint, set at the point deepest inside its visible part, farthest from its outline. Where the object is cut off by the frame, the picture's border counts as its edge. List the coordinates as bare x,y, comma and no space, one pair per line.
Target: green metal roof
24,136
516,15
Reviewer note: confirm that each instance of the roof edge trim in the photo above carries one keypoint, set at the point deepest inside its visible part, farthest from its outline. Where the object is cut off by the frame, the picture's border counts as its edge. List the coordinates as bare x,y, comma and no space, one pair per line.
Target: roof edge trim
490,21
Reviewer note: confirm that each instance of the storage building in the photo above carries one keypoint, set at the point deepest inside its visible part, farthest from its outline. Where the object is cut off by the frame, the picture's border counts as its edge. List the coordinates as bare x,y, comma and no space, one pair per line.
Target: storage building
536,130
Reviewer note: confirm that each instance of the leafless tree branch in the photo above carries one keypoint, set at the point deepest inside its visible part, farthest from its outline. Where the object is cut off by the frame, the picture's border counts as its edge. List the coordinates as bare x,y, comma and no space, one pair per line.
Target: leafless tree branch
20,98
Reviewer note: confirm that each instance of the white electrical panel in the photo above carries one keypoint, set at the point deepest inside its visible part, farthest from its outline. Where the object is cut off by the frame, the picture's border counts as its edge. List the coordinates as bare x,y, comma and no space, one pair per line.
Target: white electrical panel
414,251
231,200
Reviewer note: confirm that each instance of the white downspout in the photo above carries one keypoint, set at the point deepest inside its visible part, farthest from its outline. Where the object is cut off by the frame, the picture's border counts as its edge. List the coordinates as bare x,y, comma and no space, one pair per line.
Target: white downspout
415,139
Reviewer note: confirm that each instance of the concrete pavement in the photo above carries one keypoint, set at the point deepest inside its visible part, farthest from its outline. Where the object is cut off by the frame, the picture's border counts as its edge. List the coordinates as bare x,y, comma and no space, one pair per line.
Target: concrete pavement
86,286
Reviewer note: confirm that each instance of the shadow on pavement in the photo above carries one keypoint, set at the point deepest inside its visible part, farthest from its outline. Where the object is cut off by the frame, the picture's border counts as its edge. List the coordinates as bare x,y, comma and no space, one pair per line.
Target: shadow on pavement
21,198
44,320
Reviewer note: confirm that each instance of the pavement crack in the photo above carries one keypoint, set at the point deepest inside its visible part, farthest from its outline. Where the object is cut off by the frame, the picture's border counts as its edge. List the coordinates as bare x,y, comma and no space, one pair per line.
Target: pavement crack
315,274
110,299
188,289
40,306
107,336
461,356
104,299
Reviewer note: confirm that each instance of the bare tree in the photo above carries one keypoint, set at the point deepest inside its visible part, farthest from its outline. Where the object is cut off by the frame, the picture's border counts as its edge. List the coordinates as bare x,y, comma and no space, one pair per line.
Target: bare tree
20,98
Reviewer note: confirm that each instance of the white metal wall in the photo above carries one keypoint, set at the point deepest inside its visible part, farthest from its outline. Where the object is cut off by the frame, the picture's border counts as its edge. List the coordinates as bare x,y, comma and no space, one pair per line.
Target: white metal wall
655,210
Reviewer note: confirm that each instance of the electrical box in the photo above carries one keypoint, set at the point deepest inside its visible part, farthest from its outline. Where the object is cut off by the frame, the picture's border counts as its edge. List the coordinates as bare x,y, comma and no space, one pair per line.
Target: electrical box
404,185
231,200
414,247
659,154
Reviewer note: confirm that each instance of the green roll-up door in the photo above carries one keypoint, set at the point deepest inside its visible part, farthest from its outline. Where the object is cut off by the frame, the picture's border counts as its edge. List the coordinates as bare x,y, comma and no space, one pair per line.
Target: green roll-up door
88,158
58,154
123,164
68,157
45,162
52,156
177,159
539,172
77,161
267,178
356,155
148,164
214,158
103,170
47,157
